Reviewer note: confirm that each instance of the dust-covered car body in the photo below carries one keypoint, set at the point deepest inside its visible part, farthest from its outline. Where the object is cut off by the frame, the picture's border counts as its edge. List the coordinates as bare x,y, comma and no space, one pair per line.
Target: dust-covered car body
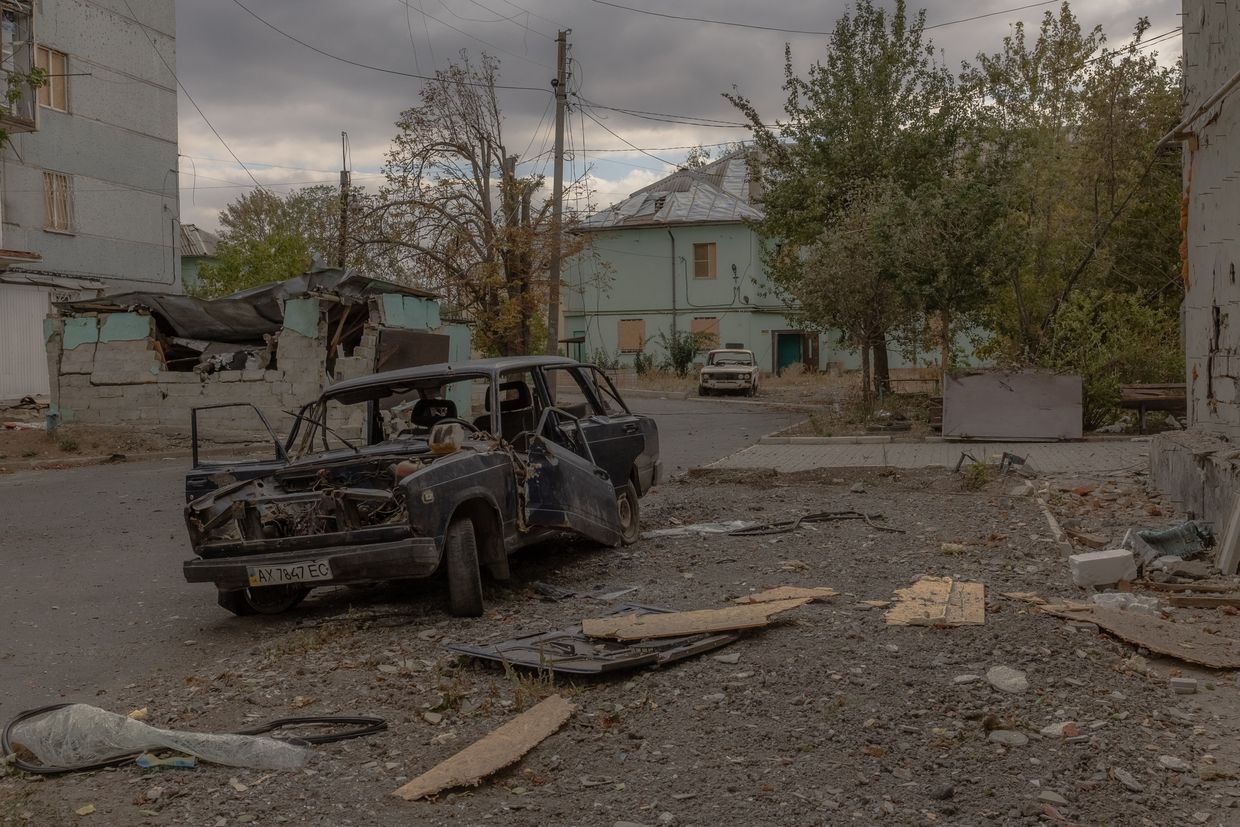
399,474
729,370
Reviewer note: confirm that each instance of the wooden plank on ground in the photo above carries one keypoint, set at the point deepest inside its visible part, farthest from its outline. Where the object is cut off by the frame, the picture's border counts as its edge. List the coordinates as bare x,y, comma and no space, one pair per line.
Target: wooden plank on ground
675,624
939,601
1229,550
1212,601
1217,588
1187,642
788,593
500,748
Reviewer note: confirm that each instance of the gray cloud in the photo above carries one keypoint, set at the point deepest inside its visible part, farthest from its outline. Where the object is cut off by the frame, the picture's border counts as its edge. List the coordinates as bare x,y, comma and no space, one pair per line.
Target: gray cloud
279,103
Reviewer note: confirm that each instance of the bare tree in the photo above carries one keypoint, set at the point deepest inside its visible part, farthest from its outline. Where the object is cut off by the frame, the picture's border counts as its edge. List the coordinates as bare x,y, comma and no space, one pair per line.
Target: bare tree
454,201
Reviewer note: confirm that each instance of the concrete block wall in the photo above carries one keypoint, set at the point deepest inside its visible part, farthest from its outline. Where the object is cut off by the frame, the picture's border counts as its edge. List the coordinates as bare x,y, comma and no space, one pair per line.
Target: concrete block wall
106,371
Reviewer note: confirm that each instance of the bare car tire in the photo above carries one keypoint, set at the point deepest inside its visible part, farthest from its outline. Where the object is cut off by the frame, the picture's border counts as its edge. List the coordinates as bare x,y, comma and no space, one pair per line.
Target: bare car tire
269,600
630,514
464,573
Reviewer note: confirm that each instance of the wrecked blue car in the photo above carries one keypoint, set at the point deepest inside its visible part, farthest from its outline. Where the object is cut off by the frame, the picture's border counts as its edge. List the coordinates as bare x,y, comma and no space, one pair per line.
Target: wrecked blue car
405,474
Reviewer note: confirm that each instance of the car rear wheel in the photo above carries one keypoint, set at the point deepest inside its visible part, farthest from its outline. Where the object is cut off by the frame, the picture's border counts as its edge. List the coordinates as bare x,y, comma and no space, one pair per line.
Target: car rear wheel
269,600
630,514
464,573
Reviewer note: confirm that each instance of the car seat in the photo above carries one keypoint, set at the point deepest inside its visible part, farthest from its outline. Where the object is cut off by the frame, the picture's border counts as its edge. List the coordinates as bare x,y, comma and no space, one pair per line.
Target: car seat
515,414
426,412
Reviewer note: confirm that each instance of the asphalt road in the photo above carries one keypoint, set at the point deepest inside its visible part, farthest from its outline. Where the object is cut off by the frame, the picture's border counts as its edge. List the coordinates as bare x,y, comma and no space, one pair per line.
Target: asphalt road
91,593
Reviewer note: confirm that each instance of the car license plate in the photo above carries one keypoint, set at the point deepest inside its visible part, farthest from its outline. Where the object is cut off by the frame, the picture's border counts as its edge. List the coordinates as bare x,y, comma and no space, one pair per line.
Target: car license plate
301,572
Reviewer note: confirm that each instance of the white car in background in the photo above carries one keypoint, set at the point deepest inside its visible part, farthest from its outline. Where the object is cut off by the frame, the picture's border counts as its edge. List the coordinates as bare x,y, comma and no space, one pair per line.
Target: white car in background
729,371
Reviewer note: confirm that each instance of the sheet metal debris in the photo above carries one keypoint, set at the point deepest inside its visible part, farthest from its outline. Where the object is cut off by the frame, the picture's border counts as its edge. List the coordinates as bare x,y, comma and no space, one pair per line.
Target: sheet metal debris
676,624
569,651
499,749
939,601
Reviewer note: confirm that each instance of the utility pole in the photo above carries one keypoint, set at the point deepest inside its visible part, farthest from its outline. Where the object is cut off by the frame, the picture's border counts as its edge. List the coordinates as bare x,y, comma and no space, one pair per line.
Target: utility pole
560,87
344,198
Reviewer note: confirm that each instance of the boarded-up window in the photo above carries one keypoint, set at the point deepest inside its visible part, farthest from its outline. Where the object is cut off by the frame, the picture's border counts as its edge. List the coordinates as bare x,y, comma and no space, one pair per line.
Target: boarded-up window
55,93
57,202
632,335
708,325
704,261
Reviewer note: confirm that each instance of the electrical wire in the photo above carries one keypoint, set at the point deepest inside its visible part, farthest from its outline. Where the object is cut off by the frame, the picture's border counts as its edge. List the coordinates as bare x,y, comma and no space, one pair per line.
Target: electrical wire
494,46
382,69
625,140
188,96
735,24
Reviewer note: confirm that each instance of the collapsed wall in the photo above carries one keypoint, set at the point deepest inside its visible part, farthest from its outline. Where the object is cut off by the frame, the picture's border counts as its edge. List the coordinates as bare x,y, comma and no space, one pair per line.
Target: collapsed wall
115,368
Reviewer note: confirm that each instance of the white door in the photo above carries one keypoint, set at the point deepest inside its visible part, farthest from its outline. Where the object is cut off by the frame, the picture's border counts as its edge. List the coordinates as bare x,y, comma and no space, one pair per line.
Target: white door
23,358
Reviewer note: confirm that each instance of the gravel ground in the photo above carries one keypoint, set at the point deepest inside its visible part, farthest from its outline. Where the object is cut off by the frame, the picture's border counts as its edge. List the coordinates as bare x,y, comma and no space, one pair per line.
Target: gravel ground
827,717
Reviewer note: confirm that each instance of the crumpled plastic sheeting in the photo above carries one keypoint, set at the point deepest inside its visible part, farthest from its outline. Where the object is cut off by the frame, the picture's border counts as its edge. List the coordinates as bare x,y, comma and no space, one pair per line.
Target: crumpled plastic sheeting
83,734
698,528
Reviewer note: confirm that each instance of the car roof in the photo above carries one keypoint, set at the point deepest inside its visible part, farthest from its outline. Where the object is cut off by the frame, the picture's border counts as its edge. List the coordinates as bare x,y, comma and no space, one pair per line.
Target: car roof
492,366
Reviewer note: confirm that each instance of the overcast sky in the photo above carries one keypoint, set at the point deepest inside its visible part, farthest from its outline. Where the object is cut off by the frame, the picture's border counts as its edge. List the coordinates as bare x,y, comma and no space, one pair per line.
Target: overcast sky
281,106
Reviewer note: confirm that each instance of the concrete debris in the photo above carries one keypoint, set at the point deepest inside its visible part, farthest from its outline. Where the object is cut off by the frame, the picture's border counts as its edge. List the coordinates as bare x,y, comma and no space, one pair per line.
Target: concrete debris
697,528
499,749
1170,762
1008,738
1007,679
1127,779
1183,686
1102,568
1063,729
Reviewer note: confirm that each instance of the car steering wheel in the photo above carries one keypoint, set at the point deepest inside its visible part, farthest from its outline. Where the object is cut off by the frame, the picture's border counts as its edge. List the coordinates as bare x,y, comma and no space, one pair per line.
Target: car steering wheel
471,426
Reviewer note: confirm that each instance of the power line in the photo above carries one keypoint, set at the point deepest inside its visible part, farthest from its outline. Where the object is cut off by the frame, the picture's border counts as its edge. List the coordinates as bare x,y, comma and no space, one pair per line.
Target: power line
382,69
497,48
512,20
625,140
188,96
737,25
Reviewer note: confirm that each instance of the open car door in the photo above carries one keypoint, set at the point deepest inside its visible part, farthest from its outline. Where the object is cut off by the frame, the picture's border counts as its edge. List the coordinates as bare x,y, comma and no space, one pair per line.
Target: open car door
239,456
565,489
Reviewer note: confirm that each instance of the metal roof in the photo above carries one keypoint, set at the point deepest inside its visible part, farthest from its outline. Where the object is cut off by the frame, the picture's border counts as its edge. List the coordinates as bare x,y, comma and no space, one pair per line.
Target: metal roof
720,191
197,242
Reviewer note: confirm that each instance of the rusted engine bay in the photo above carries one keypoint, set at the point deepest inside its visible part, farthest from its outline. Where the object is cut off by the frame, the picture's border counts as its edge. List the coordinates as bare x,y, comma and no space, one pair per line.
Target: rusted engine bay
324,506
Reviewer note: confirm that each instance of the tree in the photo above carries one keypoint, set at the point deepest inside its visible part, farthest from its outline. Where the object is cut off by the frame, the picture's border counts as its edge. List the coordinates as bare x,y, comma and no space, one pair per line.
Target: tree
260,241
878,113
1071,135
455,203
849,278
267,237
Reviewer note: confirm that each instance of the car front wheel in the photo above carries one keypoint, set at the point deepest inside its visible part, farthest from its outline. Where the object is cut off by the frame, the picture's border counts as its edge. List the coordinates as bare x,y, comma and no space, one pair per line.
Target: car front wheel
464,572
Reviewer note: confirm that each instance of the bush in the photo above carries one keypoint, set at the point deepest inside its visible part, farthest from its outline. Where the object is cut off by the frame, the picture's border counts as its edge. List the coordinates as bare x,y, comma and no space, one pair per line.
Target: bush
643,363
605,361
1111,339
682,347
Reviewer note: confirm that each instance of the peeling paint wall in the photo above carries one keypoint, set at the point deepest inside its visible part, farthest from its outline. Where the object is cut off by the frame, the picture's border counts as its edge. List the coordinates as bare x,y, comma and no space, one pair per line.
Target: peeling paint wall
1212,219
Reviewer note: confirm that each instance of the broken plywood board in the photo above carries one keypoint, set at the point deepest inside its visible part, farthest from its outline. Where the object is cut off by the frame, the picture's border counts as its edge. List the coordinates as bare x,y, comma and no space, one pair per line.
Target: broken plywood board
1204,601
939,601
788,593
1229,550
497,750
675,624
1178,640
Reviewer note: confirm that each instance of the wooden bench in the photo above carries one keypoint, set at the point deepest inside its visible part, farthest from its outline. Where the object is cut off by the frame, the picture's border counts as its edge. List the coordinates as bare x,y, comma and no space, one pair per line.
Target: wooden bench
1171,397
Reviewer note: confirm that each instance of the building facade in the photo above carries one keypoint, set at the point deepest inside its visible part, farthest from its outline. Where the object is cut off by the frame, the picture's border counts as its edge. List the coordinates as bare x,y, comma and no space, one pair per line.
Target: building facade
88,175
679,255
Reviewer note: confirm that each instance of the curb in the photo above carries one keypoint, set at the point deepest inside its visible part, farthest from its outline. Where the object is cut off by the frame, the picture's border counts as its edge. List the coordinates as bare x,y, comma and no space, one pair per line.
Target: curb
648,394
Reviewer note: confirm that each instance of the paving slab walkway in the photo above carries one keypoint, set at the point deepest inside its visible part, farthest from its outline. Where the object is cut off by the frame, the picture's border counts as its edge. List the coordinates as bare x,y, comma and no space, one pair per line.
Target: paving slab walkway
1049,457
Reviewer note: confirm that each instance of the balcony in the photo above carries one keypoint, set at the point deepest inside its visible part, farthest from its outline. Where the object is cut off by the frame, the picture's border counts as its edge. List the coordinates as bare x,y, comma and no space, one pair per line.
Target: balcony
18,99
